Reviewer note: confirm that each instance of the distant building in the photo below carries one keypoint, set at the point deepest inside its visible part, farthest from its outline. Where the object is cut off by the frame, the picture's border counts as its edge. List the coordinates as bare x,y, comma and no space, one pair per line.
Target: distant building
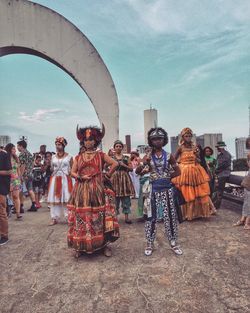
150,121
240,148
141,149
4,140
174,142
128,143
209,140
203,140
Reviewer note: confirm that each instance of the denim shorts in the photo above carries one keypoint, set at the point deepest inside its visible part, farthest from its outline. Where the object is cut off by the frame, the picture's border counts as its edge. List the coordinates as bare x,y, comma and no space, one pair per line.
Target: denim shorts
28,183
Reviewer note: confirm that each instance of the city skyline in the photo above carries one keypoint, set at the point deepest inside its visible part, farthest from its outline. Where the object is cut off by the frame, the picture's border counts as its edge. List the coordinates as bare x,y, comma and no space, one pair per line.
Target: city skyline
194,71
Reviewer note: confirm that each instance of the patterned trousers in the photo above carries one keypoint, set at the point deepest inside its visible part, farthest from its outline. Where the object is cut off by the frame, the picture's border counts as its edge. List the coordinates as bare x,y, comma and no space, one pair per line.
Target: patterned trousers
162,200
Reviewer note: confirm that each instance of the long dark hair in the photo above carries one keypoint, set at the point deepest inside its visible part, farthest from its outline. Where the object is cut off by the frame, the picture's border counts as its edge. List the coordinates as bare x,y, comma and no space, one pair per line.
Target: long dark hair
8,149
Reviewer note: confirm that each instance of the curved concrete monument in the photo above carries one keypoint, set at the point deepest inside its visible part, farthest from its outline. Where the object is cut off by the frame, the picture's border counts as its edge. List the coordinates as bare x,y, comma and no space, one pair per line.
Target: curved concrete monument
27,27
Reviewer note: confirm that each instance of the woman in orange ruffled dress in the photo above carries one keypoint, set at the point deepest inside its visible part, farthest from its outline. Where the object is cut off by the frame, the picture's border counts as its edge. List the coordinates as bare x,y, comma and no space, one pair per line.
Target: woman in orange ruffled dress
194,180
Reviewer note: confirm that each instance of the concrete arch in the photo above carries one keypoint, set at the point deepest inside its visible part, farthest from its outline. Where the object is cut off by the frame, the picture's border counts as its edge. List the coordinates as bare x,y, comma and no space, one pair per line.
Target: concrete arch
30,28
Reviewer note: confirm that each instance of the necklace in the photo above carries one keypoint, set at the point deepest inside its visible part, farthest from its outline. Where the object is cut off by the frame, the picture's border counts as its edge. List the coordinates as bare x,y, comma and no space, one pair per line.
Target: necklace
88,155
60,156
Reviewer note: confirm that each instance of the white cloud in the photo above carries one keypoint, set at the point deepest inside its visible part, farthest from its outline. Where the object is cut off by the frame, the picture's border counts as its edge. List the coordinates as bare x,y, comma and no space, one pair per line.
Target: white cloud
40,115
181,16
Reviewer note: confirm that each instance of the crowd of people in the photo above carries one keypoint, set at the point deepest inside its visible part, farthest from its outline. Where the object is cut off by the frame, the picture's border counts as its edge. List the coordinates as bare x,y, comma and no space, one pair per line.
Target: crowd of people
89,190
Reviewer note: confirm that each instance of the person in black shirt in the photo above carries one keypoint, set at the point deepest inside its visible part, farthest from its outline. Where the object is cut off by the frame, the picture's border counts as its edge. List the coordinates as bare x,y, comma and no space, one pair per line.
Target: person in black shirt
5,172
37,180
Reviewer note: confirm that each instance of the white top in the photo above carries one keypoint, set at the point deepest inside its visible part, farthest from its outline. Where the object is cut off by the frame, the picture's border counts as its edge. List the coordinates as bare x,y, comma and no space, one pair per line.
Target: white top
60,167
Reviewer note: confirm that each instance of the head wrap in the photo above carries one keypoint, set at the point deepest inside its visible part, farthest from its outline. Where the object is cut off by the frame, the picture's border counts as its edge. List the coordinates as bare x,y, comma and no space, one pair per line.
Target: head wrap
61,140
90,132
185,131
118,142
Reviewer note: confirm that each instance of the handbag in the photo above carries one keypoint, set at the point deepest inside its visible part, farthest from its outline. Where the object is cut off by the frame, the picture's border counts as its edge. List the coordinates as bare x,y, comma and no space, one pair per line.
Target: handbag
246,182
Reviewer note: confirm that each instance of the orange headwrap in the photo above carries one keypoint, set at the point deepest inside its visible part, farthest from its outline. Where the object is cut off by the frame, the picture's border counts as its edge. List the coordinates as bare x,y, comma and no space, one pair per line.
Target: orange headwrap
185,131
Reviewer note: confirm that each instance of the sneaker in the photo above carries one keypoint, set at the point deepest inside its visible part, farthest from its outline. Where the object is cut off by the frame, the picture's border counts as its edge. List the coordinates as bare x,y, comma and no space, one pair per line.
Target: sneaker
32,208
3,241
177,250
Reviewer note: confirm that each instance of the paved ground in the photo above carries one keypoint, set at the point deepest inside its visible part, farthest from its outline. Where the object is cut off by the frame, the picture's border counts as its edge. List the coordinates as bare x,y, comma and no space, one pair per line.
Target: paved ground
39,273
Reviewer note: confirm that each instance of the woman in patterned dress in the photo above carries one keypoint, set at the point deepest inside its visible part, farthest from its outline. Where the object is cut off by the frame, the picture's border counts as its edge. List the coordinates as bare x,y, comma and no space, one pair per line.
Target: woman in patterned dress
159,191
15,182
92,218
122,182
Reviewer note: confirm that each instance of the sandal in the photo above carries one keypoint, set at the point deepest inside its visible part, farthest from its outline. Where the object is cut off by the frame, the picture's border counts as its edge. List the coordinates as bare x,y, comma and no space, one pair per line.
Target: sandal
128,221
19,217
54,222
107,252
177,250
239,223
247,227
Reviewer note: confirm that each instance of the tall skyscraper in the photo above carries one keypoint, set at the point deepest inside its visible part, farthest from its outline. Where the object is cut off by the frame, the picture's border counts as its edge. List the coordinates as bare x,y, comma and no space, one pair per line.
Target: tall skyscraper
240,148
150,121
4,140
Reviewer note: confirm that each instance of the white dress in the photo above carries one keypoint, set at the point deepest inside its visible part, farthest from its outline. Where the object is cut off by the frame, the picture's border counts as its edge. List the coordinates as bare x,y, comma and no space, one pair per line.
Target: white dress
60,186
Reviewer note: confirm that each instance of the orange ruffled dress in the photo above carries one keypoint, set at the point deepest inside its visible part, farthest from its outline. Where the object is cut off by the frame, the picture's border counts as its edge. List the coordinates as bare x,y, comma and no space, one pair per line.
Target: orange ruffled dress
194,185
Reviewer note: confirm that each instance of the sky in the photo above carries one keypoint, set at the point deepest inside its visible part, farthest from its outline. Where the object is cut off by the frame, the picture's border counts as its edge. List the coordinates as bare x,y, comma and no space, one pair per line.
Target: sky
188,59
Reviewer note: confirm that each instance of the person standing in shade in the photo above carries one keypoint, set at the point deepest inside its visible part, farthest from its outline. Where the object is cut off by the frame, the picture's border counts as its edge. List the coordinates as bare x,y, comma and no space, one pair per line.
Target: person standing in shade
60,185
223,170
122,182
26,167
38,179
5,172
161,194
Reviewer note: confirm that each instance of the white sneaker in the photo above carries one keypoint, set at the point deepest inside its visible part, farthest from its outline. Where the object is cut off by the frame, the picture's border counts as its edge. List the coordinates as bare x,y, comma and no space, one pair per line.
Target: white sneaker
177,250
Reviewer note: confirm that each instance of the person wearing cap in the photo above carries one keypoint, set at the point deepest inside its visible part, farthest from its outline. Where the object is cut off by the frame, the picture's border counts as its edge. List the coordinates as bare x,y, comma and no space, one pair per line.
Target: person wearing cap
92,218
223,170
60,185
159,191
194,180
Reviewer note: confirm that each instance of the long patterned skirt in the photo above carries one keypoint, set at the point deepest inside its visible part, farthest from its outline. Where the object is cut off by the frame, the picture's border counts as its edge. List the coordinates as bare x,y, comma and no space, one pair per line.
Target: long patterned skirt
92,218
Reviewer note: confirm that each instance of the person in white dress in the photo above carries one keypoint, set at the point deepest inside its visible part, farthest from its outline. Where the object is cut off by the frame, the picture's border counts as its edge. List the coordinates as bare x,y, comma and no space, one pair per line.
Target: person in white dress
60,185
135,161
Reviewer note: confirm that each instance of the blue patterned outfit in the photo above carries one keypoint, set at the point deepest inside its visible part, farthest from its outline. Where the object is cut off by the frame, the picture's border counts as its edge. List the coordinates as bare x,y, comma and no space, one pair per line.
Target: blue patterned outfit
161,199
